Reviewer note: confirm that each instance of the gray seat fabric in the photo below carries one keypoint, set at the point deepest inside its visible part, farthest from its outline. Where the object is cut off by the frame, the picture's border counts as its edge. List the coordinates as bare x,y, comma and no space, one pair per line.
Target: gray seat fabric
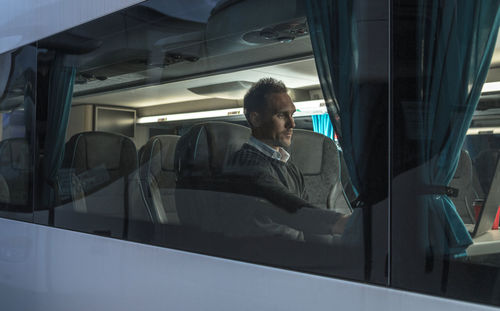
318,159
4,191
211,196
15,170
200,158
158,177
207,195
350,193
104,183
206,148
463,181
485,164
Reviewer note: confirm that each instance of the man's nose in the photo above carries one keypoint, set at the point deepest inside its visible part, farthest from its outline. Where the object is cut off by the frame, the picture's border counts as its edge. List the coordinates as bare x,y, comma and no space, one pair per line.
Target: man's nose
291,122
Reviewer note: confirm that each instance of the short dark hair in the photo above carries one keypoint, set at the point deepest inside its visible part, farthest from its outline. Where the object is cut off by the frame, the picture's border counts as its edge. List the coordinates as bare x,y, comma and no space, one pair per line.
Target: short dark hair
256,97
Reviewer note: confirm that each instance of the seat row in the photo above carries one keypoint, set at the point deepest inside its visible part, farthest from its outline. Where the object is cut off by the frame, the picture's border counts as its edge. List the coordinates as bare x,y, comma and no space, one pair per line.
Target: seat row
201,155
103,175
97,162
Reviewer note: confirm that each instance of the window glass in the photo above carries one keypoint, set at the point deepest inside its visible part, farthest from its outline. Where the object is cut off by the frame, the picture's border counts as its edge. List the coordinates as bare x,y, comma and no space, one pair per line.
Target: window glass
145,137
446,200
17,93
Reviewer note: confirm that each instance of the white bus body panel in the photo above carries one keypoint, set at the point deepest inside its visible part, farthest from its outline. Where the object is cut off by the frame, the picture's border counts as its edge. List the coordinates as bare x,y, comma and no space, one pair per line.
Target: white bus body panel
25,21
43,268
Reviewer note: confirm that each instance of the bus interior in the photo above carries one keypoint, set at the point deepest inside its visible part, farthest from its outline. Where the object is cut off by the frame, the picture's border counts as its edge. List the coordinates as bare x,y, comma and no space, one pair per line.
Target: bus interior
127,131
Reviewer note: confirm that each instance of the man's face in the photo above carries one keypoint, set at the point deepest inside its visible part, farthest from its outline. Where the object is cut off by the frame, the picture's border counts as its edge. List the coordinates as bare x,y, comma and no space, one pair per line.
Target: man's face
275,124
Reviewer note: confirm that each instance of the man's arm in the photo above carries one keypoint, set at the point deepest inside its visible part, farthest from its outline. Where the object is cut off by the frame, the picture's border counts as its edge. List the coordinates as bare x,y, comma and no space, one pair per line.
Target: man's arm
267,187
273,190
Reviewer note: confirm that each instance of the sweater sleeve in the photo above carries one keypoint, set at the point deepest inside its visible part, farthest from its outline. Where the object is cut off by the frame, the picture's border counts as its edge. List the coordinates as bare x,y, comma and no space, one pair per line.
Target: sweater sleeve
253,174
269,185
302,185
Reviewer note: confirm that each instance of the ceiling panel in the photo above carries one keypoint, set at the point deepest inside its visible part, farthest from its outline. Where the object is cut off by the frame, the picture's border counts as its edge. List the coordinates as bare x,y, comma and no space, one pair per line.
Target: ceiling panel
298,74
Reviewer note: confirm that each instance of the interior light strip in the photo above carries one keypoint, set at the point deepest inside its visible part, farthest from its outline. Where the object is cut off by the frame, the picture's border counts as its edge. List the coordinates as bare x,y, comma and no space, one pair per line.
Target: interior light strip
483,130
310,107
192,115
304,108
491,87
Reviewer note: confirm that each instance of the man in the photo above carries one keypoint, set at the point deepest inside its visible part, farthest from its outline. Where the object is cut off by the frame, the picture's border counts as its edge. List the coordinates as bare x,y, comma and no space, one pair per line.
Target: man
264,162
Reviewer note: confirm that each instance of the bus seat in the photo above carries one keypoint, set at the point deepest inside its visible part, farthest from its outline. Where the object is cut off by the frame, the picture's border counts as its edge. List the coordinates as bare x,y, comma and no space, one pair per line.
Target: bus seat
485,163
318,159
207,147
158,177
105,165
15,170
211,197
462,180
202,198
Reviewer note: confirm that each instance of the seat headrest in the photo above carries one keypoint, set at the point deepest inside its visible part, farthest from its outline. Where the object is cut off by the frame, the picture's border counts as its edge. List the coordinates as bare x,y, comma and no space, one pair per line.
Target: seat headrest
207,147
159,151
88,150
307,151
464,168
15,153
484,163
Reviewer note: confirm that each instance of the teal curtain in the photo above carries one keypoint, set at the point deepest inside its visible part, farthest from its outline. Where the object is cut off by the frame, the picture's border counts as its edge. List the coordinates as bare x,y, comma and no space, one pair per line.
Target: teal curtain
331,22
357,107
60,93
358,112
323,125
455,41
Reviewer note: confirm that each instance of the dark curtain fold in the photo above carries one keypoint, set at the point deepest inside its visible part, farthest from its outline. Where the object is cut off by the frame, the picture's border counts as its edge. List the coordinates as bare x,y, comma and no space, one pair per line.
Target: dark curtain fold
357,104
455,42
354,85
60,93
331,22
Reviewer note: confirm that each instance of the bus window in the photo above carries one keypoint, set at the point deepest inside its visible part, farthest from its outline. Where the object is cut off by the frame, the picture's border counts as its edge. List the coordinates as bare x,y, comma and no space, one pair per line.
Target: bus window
446,186
372,152
17,99
149,116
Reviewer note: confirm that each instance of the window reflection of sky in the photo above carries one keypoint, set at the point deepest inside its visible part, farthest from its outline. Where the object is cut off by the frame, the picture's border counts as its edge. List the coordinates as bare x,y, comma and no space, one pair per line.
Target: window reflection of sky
13,124
191,10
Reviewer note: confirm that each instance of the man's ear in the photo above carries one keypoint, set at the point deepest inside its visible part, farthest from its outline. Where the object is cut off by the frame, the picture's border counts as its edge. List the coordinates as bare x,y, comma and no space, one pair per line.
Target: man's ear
255,119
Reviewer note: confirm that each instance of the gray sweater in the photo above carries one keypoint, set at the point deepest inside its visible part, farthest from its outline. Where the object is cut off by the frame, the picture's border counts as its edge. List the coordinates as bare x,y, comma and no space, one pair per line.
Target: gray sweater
279,182
282,184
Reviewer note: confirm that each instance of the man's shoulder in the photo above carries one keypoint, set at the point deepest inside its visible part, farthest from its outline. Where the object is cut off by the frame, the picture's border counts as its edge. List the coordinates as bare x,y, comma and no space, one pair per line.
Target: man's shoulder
248,160
294,167
249,154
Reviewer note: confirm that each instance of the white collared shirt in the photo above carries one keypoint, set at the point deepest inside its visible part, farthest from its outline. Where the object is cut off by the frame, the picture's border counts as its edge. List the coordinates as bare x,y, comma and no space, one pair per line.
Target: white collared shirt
281,155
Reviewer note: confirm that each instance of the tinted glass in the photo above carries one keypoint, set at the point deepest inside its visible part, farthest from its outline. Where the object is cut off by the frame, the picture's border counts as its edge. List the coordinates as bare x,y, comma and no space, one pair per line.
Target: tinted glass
445,149
183,179
116,121
17,98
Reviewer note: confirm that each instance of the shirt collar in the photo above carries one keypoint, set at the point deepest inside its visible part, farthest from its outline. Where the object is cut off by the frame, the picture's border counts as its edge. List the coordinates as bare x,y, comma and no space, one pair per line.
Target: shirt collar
281,155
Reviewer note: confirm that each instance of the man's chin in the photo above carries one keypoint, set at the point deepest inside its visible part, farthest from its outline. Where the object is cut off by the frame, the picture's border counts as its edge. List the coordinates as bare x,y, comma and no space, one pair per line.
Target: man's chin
285,143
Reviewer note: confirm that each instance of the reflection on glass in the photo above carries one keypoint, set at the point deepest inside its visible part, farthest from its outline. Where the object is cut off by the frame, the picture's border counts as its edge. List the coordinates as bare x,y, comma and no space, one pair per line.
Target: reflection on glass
16,108
166,180
446,182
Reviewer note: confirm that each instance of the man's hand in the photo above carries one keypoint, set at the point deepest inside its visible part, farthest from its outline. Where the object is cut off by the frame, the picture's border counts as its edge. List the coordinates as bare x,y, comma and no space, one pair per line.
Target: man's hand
339,226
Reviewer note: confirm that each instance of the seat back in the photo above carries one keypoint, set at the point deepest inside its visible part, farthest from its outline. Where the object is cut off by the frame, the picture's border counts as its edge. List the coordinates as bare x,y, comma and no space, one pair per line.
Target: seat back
213,197
158,177
318,158
207,147
200,159
463,181
15,171
103,168
485,162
